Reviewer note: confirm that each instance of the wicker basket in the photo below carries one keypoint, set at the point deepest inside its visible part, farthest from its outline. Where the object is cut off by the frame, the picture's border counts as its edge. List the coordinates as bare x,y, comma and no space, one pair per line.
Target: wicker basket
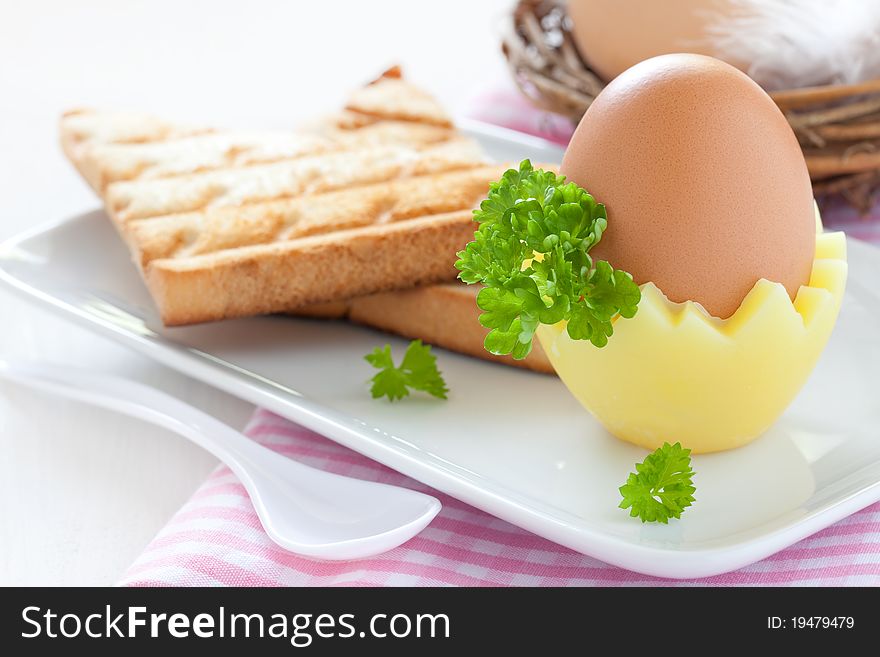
838,126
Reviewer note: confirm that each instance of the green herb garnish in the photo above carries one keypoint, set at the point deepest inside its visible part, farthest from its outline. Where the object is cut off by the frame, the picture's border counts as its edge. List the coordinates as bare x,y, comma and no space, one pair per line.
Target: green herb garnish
661,487
531,252
417,371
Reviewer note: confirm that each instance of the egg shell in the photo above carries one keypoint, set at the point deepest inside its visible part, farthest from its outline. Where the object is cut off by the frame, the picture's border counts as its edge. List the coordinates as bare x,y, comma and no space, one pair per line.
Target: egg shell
704,182
613,35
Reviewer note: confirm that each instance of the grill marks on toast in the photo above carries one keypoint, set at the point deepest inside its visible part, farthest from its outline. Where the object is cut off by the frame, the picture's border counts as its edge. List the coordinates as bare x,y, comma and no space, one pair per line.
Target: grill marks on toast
83,130
376,197
114,162
220,228
141,199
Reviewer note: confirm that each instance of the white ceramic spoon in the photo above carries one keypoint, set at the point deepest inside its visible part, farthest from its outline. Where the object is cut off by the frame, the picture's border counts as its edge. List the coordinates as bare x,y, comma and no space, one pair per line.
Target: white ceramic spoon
307,511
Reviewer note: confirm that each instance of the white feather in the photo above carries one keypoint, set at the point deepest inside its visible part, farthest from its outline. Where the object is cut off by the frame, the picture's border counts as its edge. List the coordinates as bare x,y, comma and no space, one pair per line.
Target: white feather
800,43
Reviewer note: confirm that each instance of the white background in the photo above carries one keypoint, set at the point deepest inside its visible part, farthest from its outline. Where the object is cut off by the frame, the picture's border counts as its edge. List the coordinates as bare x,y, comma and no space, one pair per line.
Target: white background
82,490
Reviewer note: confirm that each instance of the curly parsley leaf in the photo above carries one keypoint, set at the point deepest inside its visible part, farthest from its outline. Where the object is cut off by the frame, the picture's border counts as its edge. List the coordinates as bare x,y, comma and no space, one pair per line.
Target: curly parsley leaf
418,371
531,252
661,487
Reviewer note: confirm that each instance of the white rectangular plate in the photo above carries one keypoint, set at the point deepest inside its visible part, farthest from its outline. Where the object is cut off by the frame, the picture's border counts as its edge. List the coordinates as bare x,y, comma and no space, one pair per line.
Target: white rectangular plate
511,442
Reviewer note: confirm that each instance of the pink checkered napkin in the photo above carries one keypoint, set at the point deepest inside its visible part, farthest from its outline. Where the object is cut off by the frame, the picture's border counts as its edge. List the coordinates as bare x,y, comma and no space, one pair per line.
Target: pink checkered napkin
216,539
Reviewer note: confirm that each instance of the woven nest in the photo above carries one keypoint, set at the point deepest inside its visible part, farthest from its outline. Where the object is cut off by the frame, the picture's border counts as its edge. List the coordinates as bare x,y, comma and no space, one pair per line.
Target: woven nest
838,126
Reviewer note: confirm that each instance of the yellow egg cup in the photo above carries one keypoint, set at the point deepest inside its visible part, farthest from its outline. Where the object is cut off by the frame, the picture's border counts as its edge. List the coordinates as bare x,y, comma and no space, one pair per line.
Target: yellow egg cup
675,373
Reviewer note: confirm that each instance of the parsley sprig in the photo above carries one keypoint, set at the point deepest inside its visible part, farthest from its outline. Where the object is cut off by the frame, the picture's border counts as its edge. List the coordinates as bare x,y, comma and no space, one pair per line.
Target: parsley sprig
531,252
418,371
661,487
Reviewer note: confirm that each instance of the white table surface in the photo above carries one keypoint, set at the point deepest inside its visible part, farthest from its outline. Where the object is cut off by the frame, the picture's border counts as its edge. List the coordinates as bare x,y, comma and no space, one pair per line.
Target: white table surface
83,490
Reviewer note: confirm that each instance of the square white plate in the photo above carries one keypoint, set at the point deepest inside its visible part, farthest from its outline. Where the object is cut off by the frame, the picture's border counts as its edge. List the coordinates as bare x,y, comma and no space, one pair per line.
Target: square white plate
511,442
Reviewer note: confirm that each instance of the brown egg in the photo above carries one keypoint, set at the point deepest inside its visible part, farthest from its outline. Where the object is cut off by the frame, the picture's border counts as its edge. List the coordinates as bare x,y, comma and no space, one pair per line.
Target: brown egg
704,182
613,35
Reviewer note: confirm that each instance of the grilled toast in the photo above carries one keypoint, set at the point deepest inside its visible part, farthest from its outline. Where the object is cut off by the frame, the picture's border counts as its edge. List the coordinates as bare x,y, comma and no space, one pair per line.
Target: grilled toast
374,198
228,223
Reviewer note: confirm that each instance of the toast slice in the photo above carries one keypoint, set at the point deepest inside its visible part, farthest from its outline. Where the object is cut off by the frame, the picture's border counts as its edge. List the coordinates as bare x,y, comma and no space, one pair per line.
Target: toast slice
444,315
232,223
228,224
